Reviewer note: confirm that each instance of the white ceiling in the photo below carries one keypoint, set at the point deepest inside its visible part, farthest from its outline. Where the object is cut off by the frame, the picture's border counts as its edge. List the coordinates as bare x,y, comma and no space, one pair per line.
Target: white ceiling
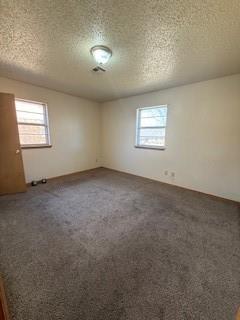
156,43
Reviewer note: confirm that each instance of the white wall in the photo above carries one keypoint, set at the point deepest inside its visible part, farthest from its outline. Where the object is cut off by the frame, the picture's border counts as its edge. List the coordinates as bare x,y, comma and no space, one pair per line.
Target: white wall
203,137
74,129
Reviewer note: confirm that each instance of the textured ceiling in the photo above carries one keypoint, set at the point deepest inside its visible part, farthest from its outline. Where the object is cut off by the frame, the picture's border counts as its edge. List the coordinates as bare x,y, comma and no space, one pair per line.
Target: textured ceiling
156,44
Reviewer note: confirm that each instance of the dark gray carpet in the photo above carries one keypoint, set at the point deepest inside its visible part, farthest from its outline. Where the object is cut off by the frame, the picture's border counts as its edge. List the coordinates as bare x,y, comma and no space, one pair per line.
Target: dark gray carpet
107,245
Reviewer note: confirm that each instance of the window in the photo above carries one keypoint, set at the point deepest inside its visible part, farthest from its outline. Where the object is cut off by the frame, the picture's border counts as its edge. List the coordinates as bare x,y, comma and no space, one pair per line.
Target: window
151,127
32,121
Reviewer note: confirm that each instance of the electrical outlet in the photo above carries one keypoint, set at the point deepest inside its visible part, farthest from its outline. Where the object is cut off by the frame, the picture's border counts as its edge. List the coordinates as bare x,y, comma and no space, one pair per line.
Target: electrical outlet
166,172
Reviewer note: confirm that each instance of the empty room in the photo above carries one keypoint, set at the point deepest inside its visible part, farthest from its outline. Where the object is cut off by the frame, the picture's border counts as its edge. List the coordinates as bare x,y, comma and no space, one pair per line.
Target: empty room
119,160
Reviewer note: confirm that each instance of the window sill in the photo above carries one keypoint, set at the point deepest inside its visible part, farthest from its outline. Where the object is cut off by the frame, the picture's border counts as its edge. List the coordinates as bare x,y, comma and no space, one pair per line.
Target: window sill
36,146
151,148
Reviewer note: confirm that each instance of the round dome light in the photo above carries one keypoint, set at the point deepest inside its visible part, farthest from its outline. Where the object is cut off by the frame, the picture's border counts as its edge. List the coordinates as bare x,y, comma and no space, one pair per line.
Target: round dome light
101,54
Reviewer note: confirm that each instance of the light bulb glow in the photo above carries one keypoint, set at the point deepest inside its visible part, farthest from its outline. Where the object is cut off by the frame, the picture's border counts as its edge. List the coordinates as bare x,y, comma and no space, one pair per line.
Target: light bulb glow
101,54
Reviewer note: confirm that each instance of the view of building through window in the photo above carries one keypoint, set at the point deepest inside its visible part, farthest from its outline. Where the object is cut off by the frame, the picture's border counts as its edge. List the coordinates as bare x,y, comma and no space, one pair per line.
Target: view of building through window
151,127
32,123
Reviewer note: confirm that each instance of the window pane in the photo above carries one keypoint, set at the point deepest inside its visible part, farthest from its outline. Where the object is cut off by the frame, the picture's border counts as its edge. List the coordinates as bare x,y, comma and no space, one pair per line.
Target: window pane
154,132
152,141
29,106
33,139
153,122
32,134
152,126
28,129
153,112
29,117
32,122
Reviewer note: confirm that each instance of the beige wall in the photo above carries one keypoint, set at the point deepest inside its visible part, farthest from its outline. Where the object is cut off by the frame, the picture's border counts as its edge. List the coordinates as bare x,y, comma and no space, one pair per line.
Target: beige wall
203,137
74,129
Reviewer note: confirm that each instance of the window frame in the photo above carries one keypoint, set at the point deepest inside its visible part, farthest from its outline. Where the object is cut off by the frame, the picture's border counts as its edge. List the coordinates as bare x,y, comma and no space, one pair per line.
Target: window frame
138,128
45,125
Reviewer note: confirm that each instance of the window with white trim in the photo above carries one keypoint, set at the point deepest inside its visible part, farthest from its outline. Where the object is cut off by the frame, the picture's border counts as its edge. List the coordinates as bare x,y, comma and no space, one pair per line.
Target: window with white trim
32,118
151,127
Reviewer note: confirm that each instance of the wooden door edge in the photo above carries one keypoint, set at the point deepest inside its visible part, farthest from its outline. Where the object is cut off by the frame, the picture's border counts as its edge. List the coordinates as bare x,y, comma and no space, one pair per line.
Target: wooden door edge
3,302
238,314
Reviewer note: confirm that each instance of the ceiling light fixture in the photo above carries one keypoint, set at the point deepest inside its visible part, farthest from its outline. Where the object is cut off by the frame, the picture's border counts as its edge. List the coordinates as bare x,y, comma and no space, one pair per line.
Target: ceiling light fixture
101,54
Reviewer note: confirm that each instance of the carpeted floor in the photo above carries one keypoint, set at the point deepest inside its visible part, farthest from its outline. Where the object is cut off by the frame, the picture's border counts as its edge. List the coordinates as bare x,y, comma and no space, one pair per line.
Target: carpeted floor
105,245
